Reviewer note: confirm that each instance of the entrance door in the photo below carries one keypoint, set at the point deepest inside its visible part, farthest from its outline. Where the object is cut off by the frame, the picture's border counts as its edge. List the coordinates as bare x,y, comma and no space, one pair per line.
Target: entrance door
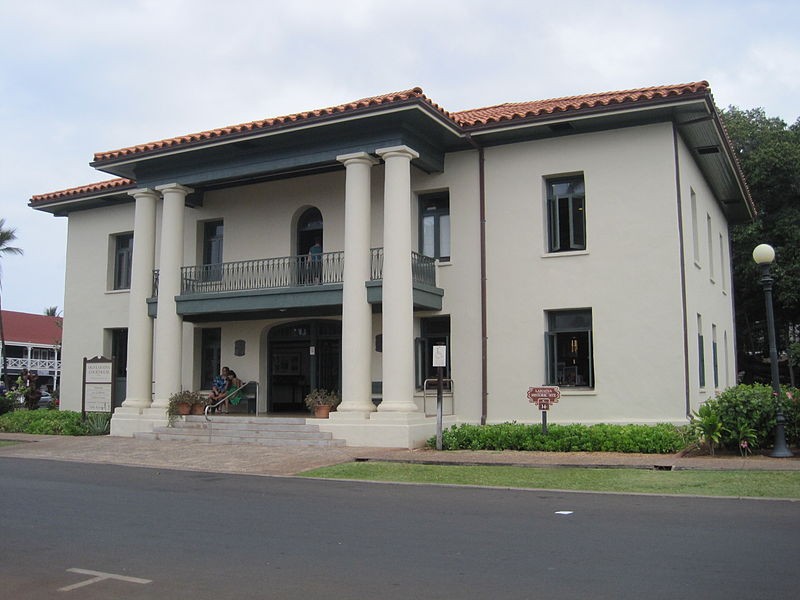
302,356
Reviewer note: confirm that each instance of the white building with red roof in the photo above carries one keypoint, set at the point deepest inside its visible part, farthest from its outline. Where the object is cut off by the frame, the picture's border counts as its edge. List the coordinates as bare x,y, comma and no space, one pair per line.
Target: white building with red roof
575,242
33,342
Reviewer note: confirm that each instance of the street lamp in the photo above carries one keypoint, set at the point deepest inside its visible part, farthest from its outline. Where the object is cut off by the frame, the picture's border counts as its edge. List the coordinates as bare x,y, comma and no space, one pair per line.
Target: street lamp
764,254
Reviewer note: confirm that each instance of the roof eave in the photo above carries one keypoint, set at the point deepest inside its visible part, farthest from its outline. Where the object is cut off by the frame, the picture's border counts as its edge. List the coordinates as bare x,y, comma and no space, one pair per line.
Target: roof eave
122,166
583,113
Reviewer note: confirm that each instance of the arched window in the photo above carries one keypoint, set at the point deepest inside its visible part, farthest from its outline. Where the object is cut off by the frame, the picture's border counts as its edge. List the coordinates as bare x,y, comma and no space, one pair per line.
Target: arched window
309,231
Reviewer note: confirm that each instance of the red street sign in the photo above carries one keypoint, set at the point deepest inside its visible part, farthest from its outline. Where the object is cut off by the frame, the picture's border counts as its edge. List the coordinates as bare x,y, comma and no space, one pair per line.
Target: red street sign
544,403
546,392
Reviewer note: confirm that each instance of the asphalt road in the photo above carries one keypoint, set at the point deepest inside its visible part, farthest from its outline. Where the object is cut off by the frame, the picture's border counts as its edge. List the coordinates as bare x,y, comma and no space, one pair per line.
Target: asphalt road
70,530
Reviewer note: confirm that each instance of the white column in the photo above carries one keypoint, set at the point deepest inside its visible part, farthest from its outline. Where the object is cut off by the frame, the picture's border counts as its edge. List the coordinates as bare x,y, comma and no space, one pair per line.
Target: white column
398,299
356,311
169,324
140,325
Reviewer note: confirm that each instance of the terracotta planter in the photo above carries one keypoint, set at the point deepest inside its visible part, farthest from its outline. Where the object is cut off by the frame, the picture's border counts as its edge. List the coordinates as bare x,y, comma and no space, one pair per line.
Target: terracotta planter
184,408
322,411
197,409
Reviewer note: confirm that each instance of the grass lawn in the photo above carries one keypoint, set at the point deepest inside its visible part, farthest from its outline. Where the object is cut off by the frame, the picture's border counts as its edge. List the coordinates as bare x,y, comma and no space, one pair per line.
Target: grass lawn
755,484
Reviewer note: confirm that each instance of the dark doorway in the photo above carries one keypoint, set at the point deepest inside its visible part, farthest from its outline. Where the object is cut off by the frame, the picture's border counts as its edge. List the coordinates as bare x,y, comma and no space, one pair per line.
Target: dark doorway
302,356
119,351
309,231
210,355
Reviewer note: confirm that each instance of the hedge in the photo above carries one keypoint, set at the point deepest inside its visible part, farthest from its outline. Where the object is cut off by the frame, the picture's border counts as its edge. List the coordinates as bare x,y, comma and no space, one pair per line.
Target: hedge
663,438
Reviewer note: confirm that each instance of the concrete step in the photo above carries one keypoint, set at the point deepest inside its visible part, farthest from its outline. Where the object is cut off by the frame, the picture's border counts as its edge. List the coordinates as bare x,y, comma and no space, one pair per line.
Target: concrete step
205,426
259,441
244,433
223,429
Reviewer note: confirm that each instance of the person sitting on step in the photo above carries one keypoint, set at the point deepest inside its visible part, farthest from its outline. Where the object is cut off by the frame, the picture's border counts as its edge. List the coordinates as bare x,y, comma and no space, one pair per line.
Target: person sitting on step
219,389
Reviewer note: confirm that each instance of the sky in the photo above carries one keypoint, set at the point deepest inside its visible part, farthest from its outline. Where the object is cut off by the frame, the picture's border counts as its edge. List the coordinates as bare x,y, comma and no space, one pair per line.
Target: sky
84,76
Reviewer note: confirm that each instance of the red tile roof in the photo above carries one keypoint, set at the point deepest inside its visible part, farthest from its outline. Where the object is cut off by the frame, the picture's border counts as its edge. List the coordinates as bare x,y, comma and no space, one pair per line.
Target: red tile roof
266,124
521,110
92,188
467,119
27,328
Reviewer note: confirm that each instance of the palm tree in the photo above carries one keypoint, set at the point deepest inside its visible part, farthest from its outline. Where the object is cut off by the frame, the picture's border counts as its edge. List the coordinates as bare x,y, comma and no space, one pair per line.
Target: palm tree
7,236
51,311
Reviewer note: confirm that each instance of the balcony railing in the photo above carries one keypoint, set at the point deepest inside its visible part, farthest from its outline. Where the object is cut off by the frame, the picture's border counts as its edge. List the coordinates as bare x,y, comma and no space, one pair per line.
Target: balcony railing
423,268
34,364
287,272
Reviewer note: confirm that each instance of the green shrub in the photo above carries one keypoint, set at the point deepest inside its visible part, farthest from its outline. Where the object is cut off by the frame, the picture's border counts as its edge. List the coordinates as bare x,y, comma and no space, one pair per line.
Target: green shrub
6,403
707,425
649,439
43,422
98,423
752,408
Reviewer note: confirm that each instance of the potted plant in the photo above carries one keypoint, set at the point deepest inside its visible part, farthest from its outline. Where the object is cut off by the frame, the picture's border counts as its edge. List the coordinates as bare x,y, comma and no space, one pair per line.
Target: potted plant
180,404
322,402
198,405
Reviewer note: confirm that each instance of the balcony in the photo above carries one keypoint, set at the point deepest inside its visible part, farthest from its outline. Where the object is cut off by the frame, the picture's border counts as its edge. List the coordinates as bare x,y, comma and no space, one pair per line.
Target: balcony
42,366
286,286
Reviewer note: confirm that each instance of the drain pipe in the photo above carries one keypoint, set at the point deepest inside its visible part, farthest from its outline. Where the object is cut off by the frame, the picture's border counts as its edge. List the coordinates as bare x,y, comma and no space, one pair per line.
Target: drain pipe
682,254
484,328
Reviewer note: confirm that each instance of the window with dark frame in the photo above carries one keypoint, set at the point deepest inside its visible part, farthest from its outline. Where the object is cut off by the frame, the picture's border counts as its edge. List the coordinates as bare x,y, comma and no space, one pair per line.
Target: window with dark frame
434,225
123,258
701,353
569,346
566,214
434,331
714,356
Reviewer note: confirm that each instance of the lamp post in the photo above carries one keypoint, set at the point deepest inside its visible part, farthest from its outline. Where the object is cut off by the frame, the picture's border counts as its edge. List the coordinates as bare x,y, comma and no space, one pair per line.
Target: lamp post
764,254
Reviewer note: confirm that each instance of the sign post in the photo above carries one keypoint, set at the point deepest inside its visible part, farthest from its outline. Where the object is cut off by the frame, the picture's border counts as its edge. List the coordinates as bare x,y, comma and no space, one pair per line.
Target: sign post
543,397
439,361
98,385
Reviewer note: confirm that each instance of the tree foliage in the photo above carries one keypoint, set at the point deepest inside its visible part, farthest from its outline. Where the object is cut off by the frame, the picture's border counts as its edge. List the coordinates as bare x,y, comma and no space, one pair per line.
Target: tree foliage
769,153
7,236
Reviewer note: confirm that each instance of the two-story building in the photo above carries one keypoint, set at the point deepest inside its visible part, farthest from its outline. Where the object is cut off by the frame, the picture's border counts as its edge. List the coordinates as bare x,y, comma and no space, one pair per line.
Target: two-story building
581,242
33,342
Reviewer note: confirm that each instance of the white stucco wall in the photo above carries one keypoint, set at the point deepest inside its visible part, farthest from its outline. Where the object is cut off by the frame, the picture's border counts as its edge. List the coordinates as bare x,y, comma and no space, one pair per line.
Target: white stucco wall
629,275
709,289
459,277
91,307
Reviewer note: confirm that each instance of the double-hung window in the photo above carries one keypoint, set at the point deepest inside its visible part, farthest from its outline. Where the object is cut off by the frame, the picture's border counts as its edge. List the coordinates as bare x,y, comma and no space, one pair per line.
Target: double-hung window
123,257
570,355
566,214
434,225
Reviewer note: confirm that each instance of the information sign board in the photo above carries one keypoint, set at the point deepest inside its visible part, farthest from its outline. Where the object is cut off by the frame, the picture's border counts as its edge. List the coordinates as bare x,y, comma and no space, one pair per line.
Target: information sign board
98,384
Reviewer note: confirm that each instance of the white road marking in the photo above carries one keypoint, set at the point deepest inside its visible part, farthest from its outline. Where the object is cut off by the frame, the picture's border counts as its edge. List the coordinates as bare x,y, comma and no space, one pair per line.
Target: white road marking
564,512
99,576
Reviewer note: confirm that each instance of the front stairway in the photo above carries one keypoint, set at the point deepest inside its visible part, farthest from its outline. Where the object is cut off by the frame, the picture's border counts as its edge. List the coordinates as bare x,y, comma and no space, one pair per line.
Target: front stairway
264,431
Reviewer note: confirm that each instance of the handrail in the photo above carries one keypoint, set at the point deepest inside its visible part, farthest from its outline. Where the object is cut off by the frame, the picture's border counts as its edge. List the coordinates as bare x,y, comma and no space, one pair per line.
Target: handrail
224,398
448,391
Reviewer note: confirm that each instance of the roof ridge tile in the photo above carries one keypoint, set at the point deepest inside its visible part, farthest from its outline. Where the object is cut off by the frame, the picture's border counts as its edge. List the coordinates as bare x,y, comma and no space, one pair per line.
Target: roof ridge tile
201,136
101,186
